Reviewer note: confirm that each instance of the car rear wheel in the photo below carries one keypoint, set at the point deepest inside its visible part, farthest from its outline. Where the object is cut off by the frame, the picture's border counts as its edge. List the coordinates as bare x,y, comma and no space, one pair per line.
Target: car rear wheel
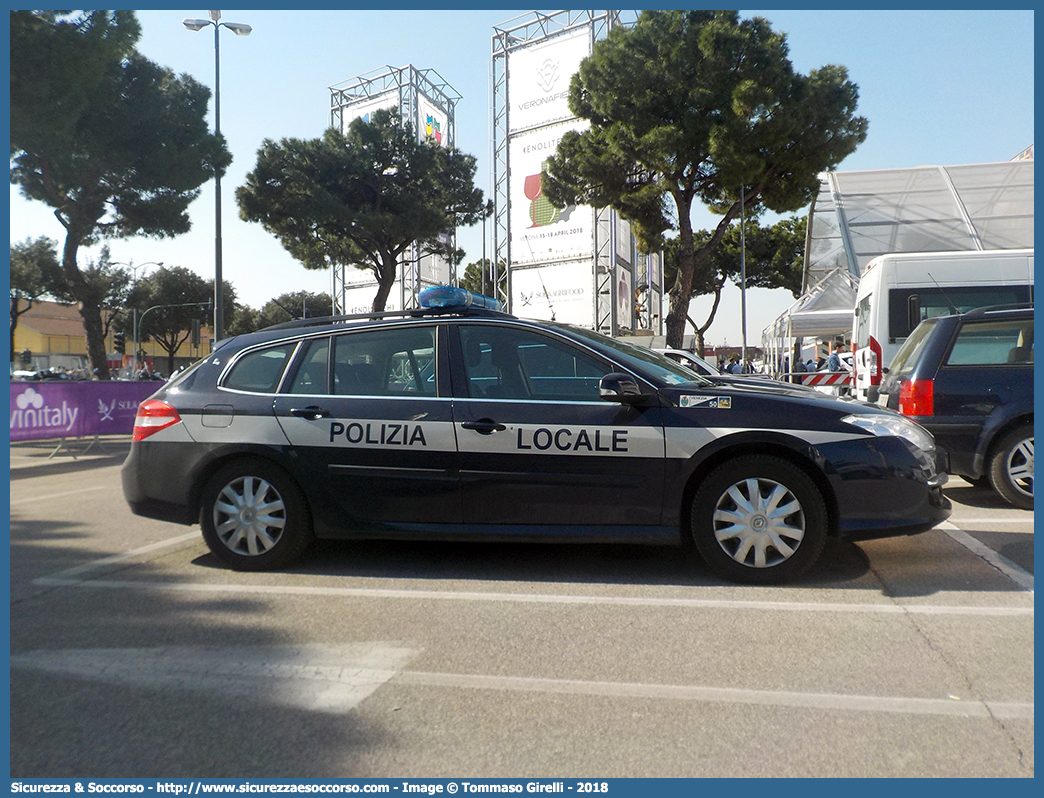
759,519
254,517
1011,467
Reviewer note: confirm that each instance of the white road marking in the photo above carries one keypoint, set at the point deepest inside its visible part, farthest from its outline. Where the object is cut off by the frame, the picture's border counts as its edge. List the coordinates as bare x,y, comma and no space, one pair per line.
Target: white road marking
837,701
336,679
79,577
528,598
312,678
1016,574
52,496
997,519
78,570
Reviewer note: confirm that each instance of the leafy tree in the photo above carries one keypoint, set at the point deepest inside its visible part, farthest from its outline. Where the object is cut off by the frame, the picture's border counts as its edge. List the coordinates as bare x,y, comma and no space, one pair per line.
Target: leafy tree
283,308
57,61
363,198
31,260
173,297
694,105
774,258
116,144
775,255
472,279
244,319
105,285
295,305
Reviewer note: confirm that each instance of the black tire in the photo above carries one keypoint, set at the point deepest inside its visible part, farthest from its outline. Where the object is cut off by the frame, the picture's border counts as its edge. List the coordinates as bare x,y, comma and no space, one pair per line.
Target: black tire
241,537
1011,466
739,539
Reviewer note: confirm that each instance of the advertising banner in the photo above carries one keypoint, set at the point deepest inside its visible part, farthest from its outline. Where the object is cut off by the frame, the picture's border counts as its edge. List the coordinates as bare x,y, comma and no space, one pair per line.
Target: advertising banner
367,107
432,122
75,409
539,231
655,277
356,276
538,79
359,299
624,244
624,299
434,270
561,292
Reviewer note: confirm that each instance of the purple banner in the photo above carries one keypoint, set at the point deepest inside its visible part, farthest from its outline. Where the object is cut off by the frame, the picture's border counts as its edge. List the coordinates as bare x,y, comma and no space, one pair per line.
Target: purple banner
75,409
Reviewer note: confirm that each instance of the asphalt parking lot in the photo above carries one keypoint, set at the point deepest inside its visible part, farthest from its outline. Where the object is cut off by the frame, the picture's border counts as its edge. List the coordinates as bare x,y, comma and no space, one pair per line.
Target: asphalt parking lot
133,653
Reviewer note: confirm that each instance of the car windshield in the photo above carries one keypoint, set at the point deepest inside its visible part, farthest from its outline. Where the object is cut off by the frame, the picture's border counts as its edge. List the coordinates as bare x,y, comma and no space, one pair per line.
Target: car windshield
643,360
906,358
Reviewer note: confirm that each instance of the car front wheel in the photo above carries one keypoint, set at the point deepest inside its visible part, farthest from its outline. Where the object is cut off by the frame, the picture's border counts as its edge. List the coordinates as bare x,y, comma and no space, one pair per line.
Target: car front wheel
759,519
1011,467
254,517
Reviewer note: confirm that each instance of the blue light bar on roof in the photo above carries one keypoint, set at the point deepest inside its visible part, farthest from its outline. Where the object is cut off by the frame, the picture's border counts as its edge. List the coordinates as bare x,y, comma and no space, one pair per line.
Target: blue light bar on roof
450,298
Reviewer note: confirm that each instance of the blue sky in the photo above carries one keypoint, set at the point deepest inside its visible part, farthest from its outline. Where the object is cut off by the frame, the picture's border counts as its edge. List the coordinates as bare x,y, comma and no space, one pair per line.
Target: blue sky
938,87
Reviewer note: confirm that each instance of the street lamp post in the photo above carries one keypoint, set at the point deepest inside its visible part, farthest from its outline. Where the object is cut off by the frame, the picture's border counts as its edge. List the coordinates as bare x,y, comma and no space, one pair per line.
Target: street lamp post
239,29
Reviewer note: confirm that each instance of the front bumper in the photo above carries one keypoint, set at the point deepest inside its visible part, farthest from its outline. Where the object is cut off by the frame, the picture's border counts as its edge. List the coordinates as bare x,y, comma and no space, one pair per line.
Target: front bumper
886,488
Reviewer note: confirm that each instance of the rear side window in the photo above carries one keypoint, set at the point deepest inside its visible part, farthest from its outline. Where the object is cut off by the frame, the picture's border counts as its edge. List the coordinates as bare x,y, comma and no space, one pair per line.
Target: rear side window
385,362
259,371
992,344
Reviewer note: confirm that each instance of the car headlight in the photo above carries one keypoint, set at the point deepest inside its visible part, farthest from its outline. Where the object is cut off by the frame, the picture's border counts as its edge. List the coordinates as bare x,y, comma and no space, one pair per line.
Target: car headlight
882,425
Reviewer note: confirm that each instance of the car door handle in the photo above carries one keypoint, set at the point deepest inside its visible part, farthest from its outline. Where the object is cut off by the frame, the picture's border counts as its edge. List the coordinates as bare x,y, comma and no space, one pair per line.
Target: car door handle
484,426
312,412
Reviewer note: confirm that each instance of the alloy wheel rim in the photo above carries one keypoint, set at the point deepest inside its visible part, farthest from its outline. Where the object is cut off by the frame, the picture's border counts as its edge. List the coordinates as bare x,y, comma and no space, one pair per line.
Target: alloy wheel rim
1020,467
759,523
249,516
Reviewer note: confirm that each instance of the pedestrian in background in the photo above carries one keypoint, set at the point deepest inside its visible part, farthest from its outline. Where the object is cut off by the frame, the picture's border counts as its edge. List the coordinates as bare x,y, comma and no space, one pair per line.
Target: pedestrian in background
834,361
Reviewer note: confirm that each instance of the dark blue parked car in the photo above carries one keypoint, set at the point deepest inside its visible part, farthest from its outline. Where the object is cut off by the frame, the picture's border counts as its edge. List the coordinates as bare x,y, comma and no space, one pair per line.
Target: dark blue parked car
968,379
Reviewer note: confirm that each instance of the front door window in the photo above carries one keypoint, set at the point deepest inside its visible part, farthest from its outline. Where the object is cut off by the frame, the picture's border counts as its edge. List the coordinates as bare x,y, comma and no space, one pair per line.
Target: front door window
537,444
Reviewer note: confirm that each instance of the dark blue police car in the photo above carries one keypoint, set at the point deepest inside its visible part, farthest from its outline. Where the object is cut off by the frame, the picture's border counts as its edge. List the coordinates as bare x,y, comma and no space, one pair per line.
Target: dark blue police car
462,422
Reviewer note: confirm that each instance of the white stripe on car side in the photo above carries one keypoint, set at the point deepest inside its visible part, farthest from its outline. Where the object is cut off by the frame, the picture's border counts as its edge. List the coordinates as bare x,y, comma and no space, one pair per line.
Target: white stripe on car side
679,443
587,440
241,428
400,435
683,442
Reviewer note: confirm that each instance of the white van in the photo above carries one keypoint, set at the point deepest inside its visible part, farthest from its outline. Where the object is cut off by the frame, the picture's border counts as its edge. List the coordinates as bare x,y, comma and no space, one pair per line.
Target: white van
897,291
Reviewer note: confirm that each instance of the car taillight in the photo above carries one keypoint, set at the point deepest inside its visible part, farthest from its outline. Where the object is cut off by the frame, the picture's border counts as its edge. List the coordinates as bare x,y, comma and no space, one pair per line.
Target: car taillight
153,415
917,398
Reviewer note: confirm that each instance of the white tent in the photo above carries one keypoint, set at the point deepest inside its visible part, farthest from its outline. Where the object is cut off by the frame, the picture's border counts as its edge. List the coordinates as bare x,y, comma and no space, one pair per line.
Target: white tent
860,215
824,311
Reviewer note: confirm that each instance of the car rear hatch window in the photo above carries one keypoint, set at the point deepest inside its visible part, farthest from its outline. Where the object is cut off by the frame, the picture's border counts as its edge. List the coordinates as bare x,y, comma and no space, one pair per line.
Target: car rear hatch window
909,353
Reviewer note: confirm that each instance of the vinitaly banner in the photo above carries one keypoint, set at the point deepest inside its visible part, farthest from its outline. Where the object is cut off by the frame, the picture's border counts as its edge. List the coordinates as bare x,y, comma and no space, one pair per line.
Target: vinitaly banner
72,409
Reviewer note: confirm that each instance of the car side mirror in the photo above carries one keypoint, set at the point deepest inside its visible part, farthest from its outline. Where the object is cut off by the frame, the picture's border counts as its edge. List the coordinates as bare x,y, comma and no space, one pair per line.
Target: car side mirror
617,387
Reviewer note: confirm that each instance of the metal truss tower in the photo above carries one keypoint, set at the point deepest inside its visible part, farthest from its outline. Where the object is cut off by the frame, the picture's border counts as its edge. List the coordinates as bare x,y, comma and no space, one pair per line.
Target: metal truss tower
516,36
410,89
